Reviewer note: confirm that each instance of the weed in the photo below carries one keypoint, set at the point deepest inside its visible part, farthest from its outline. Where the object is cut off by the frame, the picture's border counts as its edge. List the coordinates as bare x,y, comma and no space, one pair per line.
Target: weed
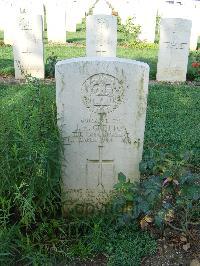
169,197
50,66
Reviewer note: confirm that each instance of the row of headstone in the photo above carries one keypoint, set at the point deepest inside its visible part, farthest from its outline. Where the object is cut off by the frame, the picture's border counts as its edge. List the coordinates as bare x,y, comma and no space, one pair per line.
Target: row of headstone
101,40
28,42
63,15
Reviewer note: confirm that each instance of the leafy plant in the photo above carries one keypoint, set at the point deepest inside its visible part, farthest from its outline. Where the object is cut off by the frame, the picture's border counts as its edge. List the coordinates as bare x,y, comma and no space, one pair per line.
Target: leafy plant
32,230
130,30
83,24
30,165
194,66
50,65
169,198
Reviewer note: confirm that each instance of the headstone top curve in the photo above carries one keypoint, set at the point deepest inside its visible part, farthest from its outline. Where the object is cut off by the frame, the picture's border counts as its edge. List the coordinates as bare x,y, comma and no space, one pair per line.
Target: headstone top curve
101,59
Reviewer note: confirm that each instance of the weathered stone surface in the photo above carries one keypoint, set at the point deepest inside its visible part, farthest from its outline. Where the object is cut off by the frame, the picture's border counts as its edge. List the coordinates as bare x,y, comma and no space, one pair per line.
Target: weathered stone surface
101,35
173,49
28,46
101,106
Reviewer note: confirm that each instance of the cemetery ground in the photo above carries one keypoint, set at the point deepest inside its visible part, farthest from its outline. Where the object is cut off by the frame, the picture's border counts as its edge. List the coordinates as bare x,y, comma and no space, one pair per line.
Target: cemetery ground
158,227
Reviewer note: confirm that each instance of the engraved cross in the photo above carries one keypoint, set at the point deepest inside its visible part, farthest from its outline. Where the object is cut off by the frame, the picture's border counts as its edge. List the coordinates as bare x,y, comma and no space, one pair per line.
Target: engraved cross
100,164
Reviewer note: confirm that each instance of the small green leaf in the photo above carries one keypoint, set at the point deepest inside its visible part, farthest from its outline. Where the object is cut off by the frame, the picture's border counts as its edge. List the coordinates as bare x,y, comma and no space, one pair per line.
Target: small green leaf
129,197
158,221
117,186
121,177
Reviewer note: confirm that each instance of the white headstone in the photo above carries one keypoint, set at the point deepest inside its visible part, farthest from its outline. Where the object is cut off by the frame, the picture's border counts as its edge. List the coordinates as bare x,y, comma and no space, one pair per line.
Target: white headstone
9,21
173,49
34,7
11,9
56,21
28,46
102,8
143,13
2,11
101,107
71,15
125,8
101,35
146,18
186,11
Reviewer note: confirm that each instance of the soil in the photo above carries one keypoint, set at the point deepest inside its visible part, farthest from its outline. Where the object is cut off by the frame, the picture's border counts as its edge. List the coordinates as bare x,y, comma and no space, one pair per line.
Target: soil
176,249
100,260
9,79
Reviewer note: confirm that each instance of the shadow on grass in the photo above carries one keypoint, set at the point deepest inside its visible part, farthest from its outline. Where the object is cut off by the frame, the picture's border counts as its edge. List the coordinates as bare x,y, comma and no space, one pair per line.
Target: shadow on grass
152,62
71,40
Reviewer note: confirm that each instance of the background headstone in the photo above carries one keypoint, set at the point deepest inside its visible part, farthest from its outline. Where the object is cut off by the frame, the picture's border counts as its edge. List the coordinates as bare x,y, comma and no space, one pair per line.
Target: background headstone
28,46
101,107
185,11
143,13
72,17
9,21
2,11
101,35
145,16
173,49
56,21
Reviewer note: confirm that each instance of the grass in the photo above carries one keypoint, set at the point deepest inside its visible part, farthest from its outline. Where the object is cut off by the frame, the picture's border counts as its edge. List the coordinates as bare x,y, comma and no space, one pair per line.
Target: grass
172,124
32,230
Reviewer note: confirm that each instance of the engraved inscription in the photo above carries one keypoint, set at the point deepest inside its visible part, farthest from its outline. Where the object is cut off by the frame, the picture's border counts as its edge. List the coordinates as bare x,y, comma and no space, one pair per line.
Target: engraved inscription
94,132
175,45
102,93
103,25
24,24
102,37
